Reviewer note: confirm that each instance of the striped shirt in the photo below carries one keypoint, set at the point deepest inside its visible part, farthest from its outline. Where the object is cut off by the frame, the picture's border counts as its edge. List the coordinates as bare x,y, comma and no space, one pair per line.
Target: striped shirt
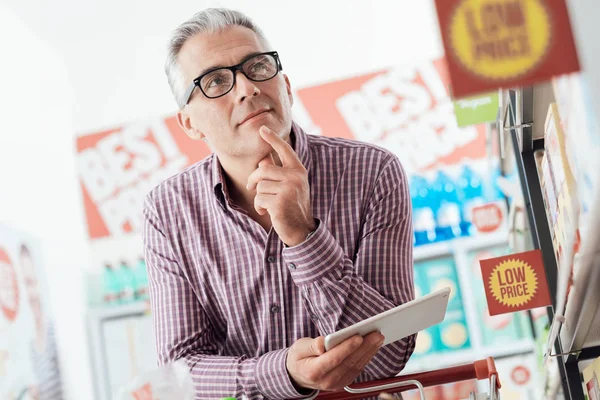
230,298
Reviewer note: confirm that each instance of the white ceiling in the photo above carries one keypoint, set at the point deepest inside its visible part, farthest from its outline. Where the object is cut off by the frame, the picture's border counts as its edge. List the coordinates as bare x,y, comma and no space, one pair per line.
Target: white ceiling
114,50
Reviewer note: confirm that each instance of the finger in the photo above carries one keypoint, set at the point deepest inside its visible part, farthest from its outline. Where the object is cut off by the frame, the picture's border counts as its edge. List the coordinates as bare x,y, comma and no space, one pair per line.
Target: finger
352,366
263,202
286,154
305,348
268,187
267,172
335,356
356,369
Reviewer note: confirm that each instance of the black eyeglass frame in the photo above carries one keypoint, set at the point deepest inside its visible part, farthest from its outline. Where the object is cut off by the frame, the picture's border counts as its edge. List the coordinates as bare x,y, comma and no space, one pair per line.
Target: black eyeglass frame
234,68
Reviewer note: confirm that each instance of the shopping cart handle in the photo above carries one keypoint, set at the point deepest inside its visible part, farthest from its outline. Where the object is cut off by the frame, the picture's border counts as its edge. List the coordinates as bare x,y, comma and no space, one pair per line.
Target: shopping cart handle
480,369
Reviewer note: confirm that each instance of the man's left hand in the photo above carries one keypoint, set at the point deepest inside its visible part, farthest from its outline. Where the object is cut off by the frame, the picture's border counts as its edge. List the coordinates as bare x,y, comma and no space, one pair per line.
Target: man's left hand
283,191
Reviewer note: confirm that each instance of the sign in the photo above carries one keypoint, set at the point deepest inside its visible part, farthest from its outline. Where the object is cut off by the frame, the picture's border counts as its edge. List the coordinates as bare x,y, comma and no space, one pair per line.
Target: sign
515,282
9,289
505,43
476,110
28,354
118,167
520,375
489,217
405,109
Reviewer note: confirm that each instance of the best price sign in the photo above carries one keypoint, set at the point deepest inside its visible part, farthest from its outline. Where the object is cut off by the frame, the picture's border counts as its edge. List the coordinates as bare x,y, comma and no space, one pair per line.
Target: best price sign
117,168
515,282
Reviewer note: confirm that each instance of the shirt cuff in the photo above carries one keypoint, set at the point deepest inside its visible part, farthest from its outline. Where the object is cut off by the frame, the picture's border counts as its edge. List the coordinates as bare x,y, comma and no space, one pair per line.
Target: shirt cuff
317,256
273,379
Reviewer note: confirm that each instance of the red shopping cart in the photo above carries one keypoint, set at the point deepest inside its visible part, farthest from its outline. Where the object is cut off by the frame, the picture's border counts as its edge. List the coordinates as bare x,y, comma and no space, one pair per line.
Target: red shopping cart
481,369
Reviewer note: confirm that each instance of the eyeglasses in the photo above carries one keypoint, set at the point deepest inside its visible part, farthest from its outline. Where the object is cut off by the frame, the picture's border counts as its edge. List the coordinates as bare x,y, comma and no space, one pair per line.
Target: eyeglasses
219,81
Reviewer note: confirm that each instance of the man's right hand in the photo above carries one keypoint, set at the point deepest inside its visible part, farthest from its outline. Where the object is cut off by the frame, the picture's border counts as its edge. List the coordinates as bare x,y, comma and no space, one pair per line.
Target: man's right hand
311,367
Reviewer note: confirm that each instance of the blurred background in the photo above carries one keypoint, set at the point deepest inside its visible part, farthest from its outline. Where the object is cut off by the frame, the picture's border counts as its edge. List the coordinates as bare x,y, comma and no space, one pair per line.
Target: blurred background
78,77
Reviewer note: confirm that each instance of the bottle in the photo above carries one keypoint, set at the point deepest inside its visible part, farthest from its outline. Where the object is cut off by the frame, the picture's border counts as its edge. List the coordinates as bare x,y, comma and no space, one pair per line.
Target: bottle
471,191
141,280
448,210
423,215
127,278
111,286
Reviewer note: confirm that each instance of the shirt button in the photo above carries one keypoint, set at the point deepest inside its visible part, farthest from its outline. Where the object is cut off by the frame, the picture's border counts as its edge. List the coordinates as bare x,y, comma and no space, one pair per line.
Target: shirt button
314,317
274,309
292,266
271,259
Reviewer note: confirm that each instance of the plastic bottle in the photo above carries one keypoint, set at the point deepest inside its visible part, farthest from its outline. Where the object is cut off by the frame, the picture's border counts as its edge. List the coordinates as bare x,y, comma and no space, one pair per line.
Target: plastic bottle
423,214
471,191
127,278
111,287
141,280
448,209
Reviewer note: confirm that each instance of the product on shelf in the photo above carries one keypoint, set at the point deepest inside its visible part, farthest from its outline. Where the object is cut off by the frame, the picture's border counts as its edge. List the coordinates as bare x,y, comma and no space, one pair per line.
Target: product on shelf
447,215
452,333
423,217
111,286
427,339
590,380
449,203
563,182
471,187
128,284
141,280
519,377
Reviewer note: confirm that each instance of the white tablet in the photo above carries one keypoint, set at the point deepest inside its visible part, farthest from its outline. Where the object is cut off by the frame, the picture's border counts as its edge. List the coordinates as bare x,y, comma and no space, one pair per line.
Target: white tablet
398,322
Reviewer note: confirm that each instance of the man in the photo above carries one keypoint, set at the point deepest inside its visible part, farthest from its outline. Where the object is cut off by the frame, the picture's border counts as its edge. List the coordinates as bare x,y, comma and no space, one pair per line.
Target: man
278,238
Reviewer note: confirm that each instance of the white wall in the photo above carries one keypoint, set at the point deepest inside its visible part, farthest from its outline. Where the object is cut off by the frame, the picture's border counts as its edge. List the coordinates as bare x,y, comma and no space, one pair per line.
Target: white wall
101,64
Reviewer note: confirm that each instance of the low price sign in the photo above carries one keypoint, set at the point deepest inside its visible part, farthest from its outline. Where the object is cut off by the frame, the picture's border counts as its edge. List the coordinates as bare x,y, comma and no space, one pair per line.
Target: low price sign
505,43
515,282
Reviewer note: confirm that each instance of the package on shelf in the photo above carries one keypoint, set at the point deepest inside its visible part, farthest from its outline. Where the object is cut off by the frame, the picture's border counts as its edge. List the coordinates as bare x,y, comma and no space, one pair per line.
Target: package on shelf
426,340
519,378
563,182
591,381
450,202
452,333
582,136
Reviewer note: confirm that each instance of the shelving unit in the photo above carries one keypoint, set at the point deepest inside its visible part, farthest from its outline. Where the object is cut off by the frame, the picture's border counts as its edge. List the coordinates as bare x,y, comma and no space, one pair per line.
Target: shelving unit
459,249
523,106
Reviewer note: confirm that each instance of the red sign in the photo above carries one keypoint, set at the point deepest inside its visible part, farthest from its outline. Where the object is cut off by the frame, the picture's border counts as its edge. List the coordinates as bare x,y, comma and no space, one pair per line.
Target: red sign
118,167
520,375
505,43
405,109
9,289
488,217
515,282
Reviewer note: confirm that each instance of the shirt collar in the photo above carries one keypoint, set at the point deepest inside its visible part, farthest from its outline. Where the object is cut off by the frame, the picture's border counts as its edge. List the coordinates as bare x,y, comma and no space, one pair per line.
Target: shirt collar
299,143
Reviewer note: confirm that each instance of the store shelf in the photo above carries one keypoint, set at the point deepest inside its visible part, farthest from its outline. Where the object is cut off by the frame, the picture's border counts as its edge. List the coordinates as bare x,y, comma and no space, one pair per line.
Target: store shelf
443,360
466,244
119,311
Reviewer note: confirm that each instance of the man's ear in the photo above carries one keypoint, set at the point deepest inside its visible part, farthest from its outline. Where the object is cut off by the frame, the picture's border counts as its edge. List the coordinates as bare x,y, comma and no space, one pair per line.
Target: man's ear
185,122
289,89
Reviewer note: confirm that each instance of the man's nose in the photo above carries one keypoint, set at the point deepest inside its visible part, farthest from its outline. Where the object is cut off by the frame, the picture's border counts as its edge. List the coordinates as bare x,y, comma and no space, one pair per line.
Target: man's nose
244,87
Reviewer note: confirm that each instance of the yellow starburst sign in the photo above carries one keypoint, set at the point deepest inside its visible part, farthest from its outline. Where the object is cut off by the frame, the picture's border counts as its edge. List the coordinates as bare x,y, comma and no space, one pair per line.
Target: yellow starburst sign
515,282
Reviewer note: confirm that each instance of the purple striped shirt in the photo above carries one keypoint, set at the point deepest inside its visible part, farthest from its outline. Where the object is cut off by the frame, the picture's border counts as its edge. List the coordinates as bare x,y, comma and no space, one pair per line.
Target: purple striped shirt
230,298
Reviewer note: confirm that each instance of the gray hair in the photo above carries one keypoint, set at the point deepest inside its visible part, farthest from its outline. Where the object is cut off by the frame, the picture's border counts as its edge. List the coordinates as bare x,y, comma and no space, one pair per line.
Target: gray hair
211,20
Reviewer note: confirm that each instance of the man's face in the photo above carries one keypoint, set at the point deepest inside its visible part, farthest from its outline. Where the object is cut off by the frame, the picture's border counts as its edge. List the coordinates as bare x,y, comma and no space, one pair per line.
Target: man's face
224,121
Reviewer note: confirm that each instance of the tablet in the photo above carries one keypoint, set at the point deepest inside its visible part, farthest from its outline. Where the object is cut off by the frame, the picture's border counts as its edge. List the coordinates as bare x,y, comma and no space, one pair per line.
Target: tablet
398,322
